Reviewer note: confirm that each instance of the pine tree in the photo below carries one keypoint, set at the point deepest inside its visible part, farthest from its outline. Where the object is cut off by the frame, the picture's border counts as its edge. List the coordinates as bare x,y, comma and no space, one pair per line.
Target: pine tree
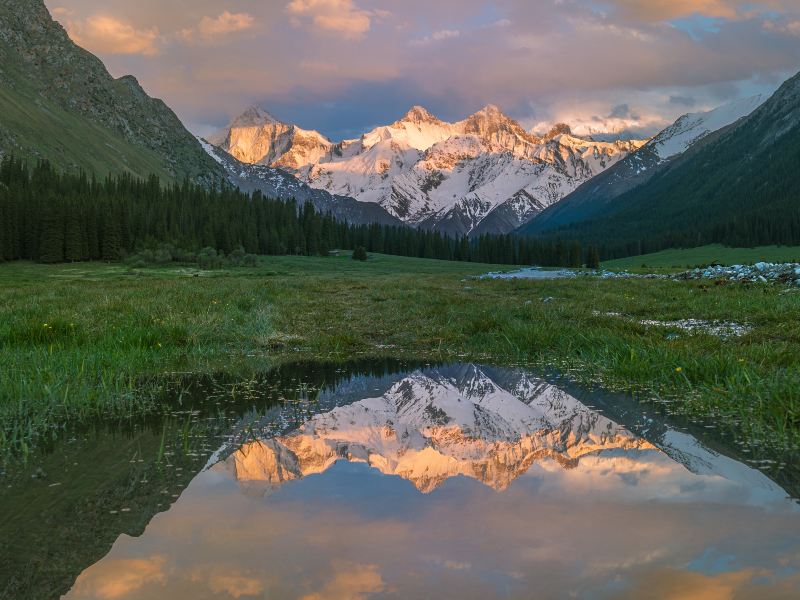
575,255
111,240
76,244
592,258
51,245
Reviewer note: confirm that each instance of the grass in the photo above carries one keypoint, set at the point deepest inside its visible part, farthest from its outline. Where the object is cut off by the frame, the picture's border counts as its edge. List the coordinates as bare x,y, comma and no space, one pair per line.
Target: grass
715,253
90,339
43,129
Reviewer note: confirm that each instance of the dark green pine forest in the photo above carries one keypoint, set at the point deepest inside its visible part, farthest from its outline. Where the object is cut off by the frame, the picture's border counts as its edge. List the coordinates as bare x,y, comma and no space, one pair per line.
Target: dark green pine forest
50,216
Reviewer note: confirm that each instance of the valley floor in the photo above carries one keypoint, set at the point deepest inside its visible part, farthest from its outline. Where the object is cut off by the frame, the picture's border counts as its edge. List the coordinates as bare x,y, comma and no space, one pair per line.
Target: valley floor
86,340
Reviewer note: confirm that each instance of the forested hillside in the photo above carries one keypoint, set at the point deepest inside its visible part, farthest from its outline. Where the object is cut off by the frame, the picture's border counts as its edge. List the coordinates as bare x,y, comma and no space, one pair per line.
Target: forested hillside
49,216
740,190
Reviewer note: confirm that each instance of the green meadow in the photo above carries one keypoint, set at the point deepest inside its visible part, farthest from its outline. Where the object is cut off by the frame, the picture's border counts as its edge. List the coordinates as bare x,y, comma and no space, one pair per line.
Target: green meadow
86,340
676,259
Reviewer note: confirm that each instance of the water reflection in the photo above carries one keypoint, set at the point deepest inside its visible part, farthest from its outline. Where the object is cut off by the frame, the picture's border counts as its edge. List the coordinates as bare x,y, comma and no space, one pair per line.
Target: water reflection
431,426
62,508
462,482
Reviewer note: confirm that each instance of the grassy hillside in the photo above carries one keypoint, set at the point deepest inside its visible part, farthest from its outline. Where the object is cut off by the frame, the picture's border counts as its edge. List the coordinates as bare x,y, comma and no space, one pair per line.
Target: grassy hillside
33,127
58,101
705,255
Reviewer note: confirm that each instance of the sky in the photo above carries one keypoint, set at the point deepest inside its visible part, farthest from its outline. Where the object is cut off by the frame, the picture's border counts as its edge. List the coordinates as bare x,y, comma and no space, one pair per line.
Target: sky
628,67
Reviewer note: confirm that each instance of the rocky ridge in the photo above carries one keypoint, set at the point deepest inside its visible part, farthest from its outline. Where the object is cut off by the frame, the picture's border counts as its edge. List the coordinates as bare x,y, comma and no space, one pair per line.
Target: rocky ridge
60,103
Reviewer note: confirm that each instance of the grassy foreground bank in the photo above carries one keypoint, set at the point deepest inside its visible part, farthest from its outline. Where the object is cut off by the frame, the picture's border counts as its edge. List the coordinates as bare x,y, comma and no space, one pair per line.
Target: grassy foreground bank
83,340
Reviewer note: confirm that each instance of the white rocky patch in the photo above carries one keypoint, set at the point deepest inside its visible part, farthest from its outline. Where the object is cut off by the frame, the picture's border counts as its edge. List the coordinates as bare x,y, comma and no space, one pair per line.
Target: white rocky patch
722,329
762,272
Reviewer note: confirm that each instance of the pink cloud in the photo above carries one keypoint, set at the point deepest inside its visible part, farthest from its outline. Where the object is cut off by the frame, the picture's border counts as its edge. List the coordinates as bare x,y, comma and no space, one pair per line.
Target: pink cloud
225,24
118,578
661,10
351,582
342,60
335,16
107,34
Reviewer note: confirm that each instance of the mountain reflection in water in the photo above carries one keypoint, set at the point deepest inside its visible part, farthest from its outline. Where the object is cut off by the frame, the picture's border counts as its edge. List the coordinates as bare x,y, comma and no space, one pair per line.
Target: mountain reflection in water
460,482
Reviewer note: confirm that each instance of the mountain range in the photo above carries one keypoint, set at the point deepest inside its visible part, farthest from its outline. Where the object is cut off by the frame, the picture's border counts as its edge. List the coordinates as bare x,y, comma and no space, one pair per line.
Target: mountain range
58,102
277,183
430,426
485,174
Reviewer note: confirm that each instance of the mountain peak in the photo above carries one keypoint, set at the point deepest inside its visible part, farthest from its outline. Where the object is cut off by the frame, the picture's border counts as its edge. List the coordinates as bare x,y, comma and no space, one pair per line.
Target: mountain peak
558,129
419,114
490,113
491,109
254,116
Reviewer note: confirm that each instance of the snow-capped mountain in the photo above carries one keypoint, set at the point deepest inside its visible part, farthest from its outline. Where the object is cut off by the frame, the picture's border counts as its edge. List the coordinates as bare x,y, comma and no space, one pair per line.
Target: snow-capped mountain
595,195
256,137
484,174
277,183
688,129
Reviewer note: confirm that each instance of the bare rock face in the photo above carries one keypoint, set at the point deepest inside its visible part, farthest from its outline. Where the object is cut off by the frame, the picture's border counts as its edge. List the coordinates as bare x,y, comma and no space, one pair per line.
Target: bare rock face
256,137
558,129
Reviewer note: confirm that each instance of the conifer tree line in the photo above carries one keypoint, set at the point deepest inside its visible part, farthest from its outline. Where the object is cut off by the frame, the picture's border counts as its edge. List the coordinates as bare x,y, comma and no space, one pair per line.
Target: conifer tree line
743,230
52,217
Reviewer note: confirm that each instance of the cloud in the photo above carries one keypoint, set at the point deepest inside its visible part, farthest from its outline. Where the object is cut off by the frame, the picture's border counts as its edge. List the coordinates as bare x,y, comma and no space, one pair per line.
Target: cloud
351,582
436,36
621,111
232,582
60,12
785,28
673,584
335,16
620,122
687,101
112,579
665,10
225,24
660,10
110,35
341,66
215,29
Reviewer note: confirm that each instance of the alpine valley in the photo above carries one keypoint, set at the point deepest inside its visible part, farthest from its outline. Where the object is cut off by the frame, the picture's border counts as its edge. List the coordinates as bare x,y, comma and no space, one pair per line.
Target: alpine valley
333,348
